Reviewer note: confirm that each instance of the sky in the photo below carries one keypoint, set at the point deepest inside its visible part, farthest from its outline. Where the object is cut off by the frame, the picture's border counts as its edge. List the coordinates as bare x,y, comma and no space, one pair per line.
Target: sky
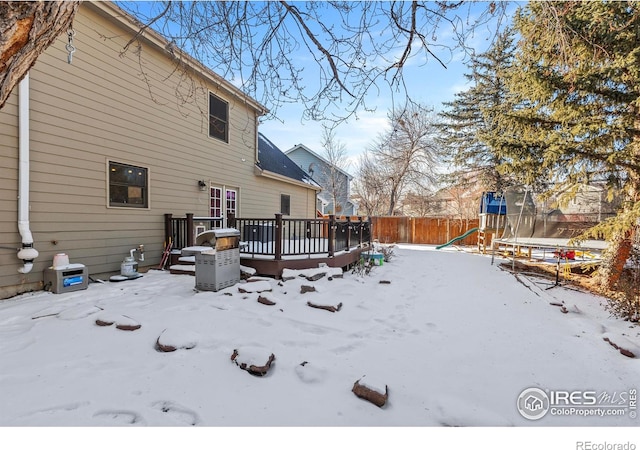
427,80
454,357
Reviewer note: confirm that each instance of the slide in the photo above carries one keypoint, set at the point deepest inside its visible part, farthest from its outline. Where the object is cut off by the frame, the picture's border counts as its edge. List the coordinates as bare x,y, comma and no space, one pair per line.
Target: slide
472,230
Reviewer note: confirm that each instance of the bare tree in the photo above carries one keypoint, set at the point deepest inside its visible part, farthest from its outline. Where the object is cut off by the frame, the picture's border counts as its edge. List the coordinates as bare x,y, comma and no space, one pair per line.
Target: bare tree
352,49
369,186
333,178
406,156
358,47
26,30
464,201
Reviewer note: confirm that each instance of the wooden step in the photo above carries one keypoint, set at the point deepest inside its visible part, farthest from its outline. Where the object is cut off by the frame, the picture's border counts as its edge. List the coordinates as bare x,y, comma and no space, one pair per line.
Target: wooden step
183,269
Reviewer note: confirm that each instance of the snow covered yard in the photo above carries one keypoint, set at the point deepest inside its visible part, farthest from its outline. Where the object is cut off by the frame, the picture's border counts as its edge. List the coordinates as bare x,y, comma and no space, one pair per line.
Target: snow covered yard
455,339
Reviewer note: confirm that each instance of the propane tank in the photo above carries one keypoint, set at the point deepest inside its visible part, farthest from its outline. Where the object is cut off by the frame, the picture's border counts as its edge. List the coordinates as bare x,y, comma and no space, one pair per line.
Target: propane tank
129,267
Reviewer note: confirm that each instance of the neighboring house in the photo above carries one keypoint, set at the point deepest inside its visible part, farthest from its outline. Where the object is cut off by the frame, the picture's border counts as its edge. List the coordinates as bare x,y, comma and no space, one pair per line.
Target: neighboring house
323,171
273,163
452,203
589,201
94,153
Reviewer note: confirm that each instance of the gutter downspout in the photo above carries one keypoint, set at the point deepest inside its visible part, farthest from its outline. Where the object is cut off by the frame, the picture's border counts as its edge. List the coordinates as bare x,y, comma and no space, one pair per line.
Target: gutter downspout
27,253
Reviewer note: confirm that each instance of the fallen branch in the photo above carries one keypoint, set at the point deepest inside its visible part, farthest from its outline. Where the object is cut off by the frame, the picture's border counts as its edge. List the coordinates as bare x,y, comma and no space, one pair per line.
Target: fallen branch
371,395
125,325
253,369
128,327
624,351
265,301
326,307
104,322
165,347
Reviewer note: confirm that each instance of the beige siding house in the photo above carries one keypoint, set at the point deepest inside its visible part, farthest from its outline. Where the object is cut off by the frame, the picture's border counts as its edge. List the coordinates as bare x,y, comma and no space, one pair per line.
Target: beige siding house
117,139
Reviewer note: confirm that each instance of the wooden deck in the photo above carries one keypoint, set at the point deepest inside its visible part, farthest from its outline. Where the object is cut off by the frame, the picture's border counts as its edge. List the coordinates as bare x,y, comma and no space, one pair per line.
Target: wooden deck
273,268
270,245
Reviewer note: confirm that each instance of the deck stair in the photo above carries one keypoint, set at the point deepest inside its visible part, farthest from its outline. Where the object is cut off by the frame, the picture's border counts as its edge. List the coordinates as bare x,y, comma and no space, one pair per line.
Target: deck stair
183,262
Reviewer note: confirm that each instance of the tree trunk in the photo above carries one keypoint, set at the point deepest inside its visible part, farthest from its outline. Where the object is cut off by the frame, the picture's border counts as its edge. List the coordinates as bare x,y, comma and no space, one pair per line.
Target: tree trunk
615,259
621,245
26,30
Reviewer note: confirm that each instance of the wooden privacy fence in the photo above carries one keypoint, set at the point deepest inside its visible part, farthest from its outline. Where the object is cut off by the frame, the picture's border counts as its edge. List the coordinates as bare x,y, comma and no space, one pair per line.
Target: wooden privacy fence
422,230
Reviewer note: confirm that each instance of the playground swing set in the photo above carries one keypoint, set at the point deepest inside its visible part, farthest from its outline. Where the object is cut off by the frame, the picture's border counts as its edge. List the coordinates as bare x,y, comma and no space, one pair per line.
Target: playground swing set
510,224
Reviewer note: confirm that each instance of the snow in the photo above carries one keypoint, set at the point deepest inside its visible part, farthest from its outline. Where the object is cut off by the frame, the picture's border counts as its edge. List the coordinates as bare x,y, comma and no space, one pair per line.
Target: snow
455,338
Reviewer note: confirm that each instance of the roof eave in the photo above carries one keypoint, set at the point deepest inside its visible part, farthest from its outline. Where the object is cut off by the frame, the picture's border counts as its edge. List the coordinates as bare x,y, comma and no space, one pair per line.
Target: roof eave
276,176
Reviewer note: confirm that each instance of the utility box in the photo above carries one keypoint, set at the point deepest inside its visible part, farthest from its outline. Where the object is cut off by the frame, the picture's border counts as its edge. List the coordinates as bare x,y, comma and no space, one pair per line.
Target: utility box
72,277
220,267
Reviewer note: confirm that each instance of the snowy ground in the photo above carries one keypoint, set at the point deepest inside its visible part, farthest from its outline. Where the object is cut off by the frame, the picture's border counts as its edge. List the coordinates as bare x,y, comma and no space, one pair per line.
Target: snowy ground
455,339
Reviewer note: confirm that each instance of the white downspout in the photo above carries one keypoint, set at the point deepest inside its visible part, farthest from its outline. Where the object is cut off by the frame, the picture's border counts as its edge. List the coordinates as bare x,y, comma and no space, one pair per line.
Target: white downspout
27,253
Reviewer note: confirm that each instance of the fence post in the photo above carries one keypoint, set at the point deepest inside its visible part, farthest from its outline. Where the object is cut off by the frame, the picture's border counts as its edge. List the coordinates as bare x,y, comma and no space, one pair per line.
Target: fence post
360,231
278,241
448,231
189,229
168,228
412,232
332,234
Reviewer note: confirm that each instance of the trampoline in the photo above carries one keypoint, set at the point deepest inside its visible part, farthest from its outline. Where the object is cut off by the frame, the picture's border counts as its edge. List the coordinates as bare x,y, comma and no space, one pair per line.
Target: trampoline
527,227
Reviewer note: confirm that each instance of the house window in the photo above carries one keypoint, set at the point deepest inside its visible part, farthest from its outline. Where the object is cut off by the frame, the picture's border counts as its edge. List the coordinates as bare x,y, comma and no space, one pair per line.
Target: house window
128,186
216,202
223,202
232,201
218,118
285,204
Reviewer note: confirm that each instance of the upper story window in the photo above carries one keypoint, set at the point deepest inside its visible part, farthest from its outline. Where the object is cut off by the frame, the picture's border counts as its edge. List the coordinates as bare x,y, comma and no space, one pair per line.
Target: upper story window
218,118
128,186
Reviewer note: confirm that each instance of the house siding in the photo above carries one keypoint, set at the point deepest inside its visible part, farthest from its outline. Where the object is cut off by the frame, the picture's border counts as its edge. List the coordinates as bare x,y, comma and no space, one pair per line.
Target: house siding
304,159
132,108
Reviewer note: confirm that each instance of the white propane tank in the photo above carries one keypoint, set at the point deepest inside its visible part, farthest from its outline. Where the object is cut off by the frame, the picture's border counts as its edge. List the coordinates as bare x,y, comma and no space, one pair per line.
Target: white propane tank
129,267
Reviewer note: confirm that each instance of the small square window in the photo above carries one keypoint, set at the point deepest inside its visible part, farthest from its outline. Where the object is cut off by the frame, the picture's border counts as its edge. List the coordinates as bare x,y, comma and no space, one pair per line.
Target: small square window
128,186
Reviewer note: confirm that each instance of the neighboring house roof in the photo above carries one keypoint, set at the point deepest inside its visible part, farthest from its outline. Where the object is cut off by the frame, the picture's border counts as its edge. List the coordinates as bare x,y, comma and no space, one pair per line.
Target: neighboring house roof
311,152
271,160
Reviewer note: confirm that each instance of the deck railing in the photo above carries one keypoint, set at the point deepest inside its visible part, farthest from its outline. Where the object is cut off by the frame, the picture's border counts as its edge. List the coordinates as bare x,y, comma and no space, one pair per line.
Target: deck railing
278,237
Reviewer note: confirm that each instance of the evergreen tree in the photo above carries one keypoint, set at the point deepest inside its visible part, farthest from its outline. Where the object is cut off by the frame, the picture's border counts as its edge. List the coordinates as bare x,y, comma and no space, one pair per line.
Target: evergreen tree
468,119
573,111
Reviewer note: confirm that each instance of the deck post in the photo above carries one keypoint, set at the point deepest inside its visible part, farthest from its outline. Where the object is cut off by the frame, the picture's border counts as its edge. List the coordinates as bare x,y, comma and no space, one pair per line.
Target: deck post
332,234
168,228
189,229
278,237
348,233
360,231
